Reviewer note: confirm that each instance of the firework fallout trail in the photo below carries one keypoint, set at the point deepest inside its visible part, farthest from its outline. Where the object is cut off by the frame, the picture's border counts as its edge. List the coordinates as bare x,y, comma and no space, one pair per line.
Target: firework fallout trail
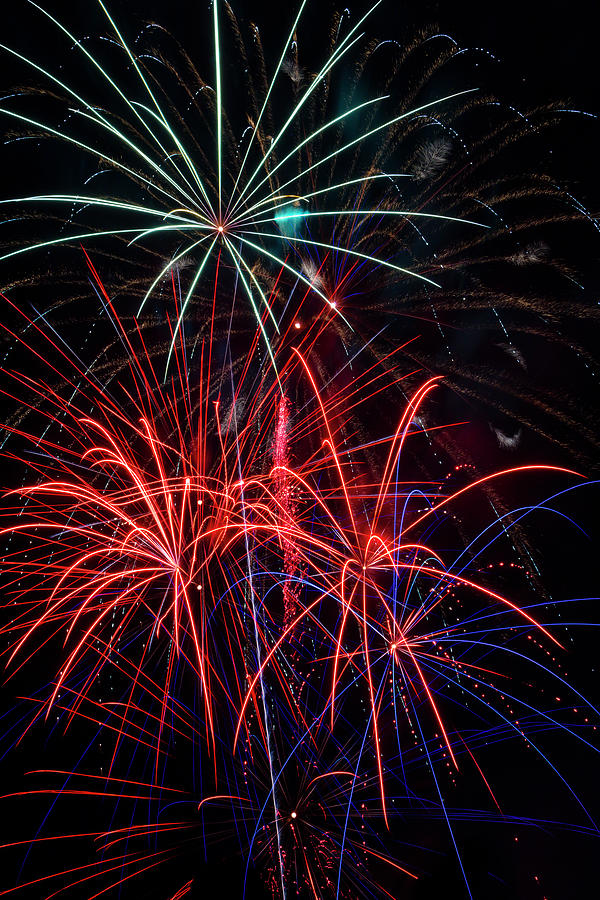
276,613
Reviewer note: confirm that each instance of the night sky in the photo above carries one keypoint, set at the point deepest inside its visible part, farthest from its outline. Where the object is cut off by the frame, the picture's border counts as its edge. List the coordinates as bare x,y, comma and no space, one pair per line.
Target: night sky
548,51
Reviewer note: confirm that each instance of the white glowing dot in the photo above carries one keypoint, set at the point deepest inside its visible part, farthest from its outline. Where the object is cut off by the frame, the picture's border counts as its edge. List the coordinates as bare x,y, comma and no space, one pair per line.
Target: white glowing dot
220,229
297,325
294,814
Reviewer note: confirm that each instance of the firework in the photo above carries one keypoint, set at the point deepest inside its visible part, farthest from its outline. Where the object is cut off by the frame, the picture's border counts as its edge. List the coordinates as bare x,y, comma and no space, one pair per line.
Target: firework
392,213
280,613
174,549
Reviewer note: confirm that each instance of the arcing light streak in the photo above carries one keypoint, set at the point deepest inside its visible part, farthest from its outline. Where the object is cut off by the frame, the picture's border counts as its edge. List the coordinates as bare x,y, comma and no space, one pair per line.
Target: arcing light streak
236,553
228,222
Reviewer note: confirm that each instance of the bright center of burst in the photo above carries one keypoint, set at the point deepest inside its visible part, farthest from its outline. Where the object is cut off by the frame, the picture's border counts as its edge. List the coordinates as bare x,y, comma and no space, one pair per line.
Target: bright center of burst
220,229
294,814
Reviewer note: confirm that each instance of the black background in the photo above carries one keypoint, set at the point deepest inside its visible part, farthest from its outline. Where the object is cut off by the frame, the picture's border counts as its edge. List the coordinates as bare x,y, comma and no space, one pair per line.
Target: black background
549,51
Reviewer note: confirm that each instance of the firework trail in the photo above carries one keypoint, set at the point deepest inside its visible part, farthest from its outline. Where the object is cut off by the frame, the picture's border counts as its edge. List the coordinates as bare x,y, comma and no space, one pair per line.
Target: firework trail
283,606
284,494
394,213
317,588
